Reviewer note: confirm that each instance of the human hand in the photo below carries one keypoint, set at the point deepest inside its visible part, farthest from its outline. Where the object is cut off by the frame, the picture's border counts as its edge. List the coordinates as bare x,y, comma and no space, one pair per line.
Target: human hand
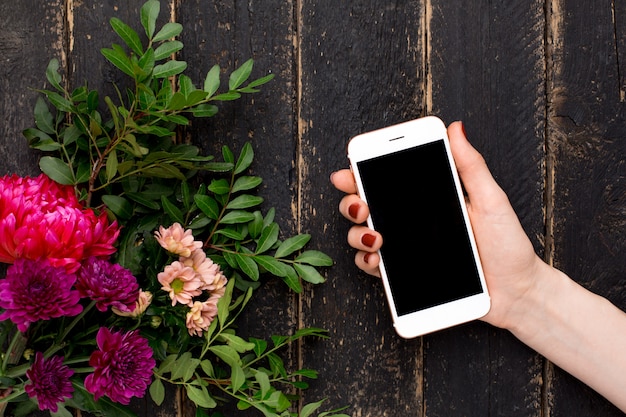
508,258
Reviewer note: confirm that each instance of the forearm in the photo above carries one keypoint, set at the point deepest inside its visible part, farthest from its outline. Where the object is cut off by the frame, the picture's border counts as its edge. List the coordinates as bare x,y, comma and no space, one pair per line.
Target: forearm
579,331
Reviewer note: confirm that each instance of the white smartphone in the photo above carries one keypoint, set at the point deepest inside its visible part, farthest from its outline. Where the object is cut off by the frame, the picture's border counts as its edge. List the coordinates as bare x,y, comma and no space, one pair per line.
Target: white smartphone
430,266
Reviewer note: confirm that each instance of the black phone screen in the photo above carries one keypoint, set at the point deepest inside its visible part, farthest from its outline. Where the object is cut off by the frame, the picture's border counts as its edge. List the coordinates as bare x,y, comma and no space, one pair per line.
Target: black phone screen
426,247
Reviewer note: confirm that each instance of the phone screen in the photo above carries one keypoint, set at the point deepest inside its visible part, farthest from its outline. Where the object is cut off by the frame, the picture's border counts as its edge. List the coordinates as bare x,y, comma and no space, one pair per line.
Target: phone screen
415,206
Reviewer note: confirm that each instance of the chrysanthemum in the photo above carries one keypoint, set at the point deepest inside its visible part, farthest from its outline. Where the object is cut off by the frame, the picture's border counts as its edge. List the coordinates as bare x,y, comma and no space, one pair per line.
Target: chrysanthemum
122,366
36,290
49,382
181,283
176,240
108,284
142,303
42,219
208,271
201,315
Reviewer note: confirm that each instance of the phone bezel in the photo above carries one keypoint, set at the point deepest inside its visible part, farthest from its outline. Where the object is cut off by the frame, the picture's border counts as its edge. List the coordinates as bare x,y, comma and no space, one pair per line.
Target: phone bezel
384,141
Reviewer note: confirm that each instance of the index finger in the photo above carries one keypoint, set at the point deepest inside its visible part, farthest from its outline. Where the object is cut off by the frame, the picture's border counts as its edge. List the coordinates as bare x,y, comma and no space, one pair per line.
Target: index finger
343,180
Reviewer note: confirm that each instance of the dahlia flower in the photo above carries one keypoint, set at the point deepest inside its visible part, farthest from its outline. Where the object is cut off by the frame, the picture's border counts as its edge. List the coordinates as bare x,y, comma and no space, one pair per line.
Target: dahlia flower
201,315
180,282
49,382
109,285
36,290
122,366
40,218
176,240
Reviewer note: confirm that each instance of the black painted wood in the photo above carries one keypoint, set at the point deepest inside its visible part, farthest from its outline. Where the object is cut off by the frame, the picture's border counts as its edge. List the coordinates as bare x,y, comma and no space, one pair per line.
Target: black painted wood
539,85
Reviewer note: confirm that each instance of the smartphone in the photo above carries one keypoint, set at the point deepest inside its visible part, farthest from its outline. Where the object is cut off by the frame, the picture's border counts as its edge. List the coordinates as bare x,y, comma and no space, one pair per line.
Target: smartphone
430,266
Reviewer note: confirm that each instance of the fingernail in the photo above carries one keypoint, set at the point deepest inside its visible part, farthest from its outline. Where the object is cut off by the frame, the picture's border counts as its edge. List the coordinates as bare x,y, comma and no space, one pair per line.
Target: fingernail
463,129
368,240
366,258
353,210
332,174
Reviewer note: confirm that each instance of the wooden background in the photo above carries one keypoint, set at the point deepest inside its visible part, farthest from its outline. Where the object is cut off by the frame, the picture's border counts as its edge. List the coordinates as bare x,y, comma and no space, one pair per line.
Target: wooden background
540,86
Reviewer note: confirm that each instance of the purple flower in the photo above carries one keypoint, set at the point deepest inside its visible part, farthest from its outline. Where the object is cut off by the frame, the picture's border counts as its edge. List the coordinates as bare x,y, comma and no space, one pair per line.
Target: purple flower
49,382
36,290
108,285
122,367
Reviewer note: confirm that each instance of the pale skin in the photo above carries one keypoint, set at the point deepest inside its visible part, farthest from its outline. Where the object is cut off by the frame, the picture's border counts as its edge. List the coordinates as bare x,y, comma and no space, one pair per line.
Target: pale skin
577,330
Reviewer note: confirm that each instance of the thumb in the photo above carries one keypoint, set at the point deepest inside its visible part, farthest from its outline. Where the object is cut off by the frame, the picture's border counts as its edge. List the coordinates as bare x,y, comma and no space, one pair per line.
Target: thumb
473,171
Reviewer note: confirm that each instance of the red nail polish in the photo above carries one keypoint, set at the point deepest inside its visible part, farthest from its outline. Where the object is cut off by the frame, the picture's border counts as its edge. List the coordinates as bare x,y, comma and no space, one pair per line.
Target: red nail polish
366,257
463,129
353,210
368,240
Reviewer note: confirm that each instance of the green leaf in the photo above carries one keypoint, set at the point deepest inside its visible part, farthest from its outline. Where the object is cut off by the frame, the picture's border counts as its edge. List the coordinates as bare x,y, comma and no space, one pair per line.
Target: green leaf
229,96
269,236
205,110
227,354
167,49
309,274
260,81
57,170
59,101
260,346
207,205
315,258
244,201
237,378
172,210
168,69
157,391
52,74
245,158
237,216
149,14
246,183
43,118
273,266
240,75
212,80
237,343
255,227
128,35
111,165
293,280
292,244
264,382
247,266
119,59
219,187
118,205
168,31
200,396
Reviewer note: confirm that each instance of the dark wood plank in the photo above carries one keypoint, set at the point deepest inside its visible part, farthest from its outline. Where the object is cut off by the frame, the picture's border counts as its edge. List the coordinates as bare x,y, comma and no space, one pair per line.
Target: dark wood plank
588,141
486,66
33,34
361,69
227,33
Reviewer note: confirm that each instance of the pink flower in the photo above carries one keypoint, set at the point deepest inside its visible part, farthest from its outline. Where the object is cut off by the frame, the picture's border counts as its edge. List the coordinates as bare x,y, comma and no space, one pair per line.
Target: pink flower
108,284
208,271
36,290
201,315
49,382
142,303
181,282
42,219
122,366
176,240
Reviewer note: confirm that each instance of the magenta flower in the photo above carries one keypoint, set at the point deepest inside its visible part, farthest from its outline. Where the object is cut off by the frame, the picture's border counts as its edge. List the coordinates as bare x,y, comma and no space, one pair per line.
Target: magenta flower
49,382
40,218
109,285
123,366
36,290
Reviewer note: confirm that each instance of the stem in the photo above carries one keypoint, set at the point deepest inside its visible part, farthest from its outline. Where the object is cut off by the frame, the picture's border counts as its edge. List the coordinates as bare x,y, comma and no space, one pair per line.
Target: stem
69,328
16,347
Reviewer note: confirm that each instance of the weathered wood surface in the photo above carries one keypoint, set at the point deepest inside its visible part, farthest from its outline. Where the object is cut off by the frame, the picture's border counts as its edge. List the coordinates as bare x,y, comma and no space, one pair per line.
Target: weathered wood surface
540,87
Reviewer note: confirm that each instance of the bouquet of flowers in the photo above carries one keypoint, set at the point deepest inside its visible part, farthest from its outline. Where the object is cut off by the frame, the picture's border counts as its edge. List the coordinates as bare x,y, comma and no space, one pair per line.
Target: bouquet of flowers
132,255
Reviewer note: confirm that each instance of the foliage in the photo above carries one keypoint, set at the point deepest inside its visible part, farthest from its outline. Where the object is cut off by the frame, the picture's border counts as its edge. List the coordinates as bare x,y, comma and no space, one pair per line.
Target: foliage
122,157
